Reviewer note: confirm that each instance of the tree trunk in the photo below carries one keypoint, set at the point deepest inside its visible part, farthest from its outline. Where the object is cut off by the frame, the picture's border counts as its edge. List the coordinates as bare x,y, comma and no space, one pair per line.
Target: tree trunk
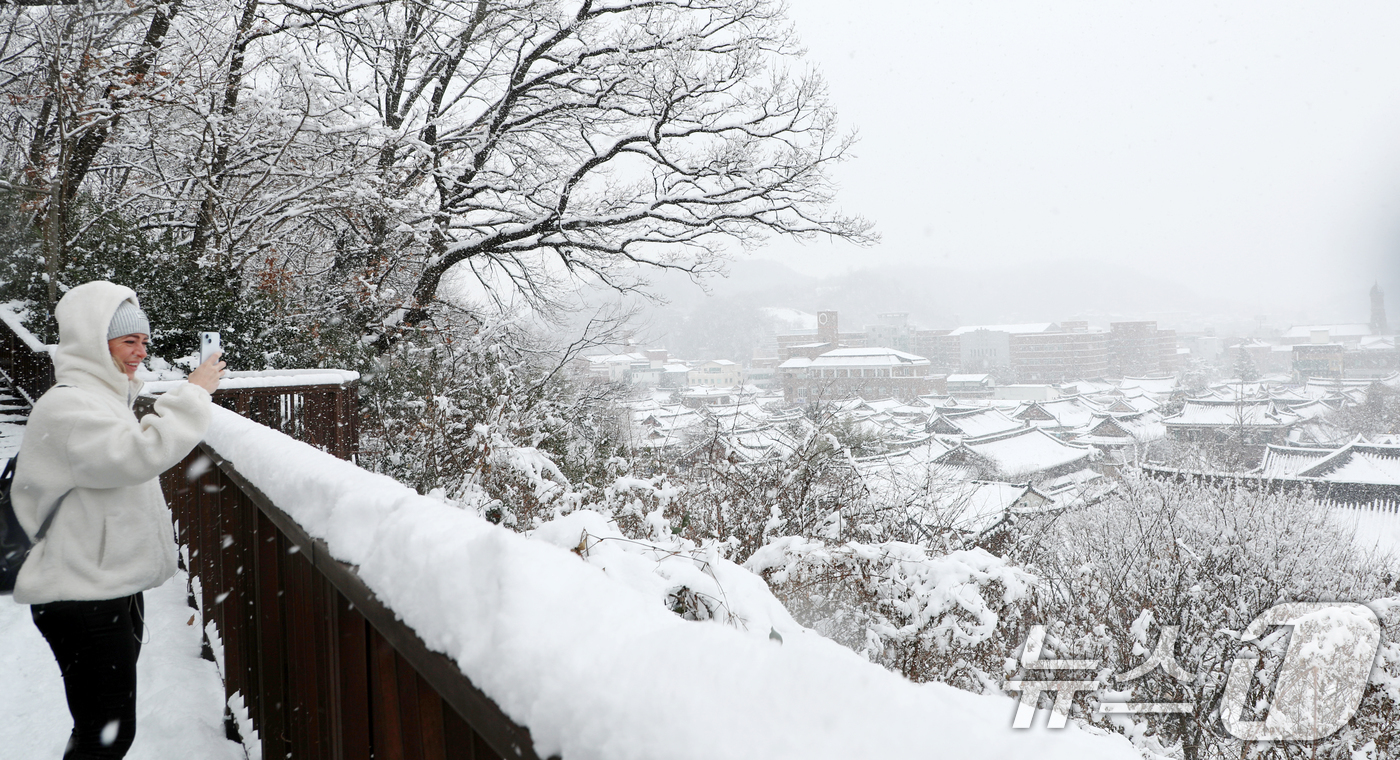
204,221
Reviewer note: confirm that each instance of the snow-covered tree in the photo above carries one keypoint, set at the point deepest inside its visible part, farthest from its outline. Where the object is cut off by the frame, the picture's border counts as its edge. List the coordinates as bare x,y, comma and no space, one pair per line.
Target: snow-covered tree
1245,370
517,143
1205,560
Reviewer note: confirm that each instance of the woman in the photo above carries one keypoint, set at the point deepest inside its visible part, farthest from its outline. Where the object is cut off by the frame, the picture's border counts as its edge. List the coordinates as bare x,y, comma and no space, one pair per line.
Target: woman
111,537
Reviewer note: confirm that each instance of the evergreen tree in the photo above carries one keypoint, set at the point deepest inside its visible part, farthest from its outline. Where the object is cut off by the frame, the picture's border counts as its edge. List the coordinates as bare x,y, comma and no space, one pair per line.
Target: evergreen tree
183,295
1244,366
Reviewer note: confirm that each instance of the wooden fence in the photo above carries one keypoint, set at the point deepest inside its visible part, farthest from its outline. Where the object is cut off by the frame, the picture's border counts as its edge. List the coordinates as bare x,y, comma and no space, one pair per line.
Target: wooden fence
321,667
322,415
324,669
24,359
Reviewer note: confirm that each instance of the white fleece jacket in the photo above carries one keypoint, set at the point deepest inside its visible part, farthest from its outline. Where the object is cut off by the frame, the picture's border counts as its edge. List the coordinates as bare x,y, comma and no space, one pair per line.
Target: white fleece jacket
112,536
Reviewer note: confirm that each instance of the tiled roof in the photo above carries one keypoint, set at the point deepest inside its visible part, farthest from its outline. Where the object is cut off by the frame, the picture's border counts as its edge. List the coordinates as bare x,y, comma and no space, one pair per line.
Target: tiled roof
1220,413
1024,453
1358,463
977,423
1288,461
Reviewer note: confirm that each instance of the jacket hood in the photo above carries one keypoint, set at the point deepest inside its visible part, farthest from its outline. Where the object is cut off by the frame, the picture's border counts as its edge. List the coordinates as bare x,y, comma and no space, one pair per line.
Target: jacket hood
82,358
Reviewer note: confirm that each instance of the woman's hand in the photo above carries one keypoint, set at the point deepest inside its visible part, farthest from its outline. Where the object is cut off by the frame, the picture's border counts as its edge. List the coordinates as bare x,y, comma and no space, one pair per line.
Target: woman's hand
207,374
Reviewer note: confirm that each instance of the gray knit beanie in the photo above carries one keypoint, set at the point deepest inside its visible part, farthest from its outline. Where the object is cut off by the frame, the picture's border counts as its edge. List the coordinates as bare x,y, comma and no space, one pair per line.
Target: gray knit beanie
128,319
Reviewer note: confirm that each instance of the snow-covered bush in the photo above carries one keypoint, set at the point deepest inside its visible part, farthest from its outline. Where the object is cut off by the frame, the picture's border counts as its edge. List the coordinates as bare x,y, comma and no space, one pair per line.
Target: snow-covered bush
932,617
487,410
1207,560
696,583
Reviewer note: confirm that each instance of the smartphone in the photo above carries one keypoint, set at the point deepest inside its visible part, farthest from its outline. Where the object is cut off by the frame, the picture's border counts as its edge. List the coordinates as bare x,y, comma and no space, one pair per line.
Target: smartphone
209,345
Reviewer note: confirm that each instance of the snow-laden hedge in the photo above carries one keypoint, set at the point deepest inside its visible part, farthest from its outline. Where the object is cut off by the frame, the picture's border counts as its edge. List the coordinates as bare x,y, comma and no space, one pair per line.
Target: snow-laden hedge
580,646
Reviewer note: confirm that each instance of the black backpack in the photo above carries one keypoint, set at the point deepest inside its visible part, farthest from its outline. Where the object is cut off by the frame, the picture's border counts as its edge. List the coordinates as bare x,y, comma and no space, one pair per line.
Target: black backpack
14,542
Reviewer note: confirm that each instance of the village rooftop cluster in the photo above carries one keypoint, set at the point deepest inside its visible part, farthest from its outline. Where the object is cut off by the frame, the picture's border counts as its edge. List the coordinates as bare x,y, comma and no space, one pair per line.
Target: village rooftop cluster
1032,417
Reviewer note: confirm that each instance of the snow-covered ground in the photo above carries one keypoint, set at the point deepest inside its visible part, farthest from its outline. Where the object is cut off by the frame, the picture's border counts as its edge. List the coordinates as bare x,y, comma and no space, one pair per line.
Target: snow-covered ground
11,433
179,697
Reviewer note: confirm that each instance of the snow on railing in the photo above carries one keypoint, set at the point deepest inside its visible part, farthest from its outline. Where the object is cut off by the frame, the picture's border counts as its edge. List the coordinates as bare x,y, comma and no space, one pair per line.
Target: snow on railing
316,406
270,378
12,314
583,660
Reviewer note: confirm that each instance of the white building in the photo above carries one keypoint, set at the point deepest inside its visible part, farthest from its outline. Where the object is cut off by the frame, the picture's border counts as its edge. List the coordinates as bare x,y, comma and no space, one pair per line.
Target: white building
716,373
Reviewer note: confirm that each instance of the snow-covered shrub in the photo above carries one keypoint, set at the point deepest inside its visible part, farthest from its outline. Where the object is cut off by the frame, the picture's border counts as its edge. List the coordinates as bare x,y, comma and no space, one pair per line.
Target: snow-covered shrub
950,617
809,487
486,411
1378,415
1207,560
696,583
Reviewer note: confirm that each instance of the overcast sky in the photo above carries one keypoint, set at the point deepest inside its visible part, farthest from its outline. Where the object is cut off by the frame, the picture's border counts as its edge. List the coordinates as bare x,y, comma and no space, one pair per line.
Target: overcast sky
1252,147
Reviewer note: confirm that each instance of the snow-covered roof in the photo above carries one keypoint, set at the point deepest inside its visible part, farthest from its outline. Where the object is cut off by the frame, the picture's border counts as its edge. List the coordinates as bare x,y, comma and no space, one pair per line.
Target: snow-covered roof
1158,385
976,505
1221,413
1358,463
867,357
1288,461
1034,327
1088,387
969,378
1069,412
1304,332
974,424
1288,395
1318,431
703,391
597,359
1311,409
1125,428
892,405
1026,452
756,445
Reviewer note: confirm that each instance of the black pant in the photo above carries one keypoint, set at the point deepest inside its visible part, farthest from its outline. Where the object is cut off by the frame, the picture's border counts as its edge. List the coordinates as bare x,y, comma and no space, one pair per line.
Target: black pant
96,645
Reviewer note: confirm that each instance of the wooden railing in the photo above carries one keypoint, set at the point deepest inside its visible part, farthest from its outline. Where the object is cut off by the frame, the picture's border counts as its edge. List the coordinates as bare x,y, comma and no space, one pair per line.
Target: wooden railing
322,415
324,669
24,359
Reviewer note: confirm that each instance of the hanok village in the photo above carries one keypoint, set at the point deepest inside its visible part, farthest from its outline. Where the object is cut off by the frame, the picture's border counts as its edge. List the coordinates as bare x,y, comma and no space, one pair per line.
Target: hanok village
1033,417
